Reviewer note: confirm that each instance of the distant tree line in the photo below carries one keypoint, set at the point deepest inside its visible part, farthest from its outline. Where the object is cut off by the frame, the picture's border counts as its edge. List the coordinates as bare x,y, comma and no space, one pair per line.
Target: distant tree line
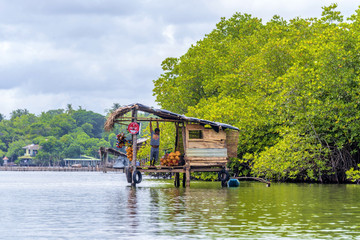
291,87
61,133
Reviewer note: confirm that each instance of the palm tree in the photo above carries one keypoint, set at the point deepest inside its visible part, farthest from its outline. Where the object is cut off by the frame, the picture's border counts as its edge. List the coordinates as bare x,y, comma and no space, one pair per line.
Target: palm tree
115,106
69,109
18,113
112,109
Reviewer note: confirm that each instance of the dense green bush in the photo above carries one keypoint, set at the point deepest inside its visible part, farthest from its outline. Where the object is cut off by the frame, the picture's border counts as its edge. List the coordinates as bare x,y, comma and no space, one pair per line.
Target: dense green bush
291,87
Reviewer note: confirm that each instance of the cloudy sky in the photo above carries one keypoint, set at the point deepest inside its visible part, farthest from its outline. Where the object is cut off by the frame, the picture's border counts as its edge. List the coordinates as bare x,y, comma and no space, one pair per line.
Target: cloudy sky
93,53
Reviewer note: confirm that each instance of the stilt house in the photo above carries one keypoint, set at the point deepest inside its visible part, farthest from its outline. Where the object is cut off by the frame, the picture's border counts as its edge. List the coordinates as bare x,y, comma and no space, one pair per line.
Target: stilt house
201,143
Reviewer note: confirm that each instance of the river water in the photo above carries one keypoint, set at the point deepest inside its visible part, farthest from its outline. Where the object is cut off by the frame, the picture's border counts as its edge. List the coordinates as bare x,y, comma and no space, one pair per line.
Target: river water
94,205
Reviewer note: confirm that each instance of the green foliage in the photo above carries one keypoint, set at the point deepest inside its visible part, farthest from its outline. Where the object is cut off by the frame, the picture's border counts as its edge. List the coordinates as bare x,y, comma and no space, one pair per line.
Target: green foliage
61,134
353,175
240,167
18,113
293,157
167,140
88,117
87,128
73,150
206,176
144,152
112,140
291,87
16,149
61,124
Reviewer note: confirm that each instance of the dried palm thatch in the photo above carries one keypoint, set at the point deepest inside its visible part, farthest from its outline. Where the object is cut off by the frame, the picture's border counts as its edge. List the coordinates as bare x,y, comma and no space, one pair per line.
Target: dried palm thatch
110,122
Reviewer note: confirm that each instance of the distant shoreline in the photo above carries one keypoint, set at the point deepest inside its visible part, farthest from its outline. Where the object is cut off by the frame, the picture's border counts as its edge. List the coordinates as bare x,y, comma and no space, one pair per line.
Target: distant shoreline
58,169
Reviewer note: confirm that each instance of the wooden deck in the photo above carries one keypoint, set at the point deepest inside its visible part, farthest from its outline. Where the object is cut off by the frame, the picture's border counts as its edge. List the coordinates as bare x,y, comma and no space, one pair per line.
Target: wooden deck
186,170
179,169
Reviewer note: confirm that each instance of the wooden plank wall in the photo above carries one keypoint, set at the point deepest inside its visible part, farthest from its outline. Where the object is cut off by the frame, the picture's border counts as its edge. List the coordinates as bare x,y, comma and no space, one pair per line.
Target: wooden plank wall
210,150
232,139
211,139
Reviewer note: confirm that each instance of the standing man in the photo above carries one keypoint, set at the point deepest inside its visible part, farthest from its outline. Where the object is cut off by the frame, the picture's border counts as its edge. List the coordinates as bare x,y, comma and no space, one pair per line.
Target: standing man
154,142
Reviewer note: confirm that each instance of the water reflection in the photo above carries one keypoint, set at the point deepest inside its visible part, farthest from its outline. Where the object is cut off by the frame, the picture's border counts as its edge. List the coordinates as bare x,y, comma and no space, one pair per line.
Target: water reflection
103,206
132,209
251,211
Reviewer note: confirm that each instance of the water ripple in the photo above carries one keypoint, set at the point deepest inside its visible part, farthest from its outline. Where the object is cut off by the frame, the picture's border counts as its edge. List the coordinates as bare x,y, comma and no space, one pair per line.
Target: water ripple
44,205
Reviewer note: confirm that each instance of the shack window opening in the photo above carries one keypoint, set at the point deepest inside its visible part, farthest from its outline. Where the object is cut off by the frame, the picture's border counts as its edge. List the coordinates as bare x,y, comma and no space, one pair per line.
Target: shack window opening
195,134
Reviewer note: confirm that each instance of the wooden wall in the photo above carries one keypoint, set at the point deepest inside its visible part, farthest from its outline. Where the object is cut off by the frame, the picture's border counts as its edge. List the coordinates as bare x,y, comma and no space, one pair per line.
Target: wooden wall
210,150
232,140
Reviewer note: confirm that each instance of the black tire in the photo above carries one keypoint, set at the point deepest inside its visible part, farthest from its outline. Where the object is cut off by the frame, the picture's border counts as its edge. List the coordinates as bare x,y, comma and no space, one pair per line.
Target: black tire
137,177
128,174
224,175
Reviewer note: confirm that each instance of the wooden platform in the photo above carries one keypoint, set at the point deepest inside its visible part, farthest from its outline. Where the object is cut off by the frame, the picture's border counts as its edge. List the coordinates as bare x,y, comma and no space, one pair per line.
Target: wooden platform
179,169
186,170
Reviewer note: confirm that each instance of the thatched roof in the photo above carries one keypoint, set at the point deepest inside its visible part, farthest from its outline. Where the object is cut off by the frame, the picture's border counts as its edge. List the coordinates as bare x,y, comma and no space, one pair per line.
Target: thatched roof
164,114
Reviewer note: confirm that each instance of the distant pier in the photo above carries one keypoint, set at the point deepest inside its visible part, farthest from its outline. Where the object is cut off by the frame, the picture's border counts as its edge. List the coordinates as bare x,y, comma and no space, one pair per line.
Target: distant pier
58,169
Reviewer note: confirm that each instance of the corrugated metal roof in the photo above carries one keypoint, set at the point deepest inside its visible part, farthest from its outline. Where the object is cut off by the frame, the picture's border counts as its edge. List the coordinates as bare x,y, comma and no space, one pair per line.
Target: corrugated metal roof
165,114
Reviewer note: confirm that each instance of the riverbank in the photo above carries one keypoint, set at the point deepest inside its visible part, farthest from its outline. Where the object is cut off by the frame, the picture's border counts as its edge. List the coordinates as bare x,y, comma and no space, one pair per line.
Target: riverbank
59,169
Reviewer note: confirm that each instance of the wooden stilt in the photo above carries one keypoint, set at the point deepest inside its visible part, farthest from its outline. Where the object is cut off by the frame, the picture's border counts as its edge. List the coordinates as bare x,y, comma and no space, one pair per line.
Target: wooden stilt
134,146
105,162
184,180
187,176
177,180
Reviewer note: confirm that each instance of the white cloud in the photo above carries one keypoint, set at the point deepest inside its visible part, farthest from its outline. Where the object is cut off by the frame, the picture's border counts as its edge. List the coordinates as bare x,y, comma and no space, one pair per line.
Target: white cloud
169,32
95,53
17,98
15,52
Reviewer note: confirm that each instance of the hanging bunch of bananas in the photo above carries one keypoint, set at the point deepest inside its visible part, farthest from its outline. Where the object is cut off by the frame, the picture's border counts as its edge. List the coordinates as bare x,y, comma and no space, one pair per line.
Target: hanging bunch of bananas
129,153
121,140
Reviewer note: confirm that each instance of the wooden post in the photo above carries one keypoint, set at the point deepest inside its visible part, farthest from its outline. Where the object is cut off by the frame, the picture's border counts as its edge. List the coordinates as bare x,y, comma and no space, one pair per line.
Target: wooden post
187,170
105,162
184,180
134,145
101,162
176,136
183,132
177,180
